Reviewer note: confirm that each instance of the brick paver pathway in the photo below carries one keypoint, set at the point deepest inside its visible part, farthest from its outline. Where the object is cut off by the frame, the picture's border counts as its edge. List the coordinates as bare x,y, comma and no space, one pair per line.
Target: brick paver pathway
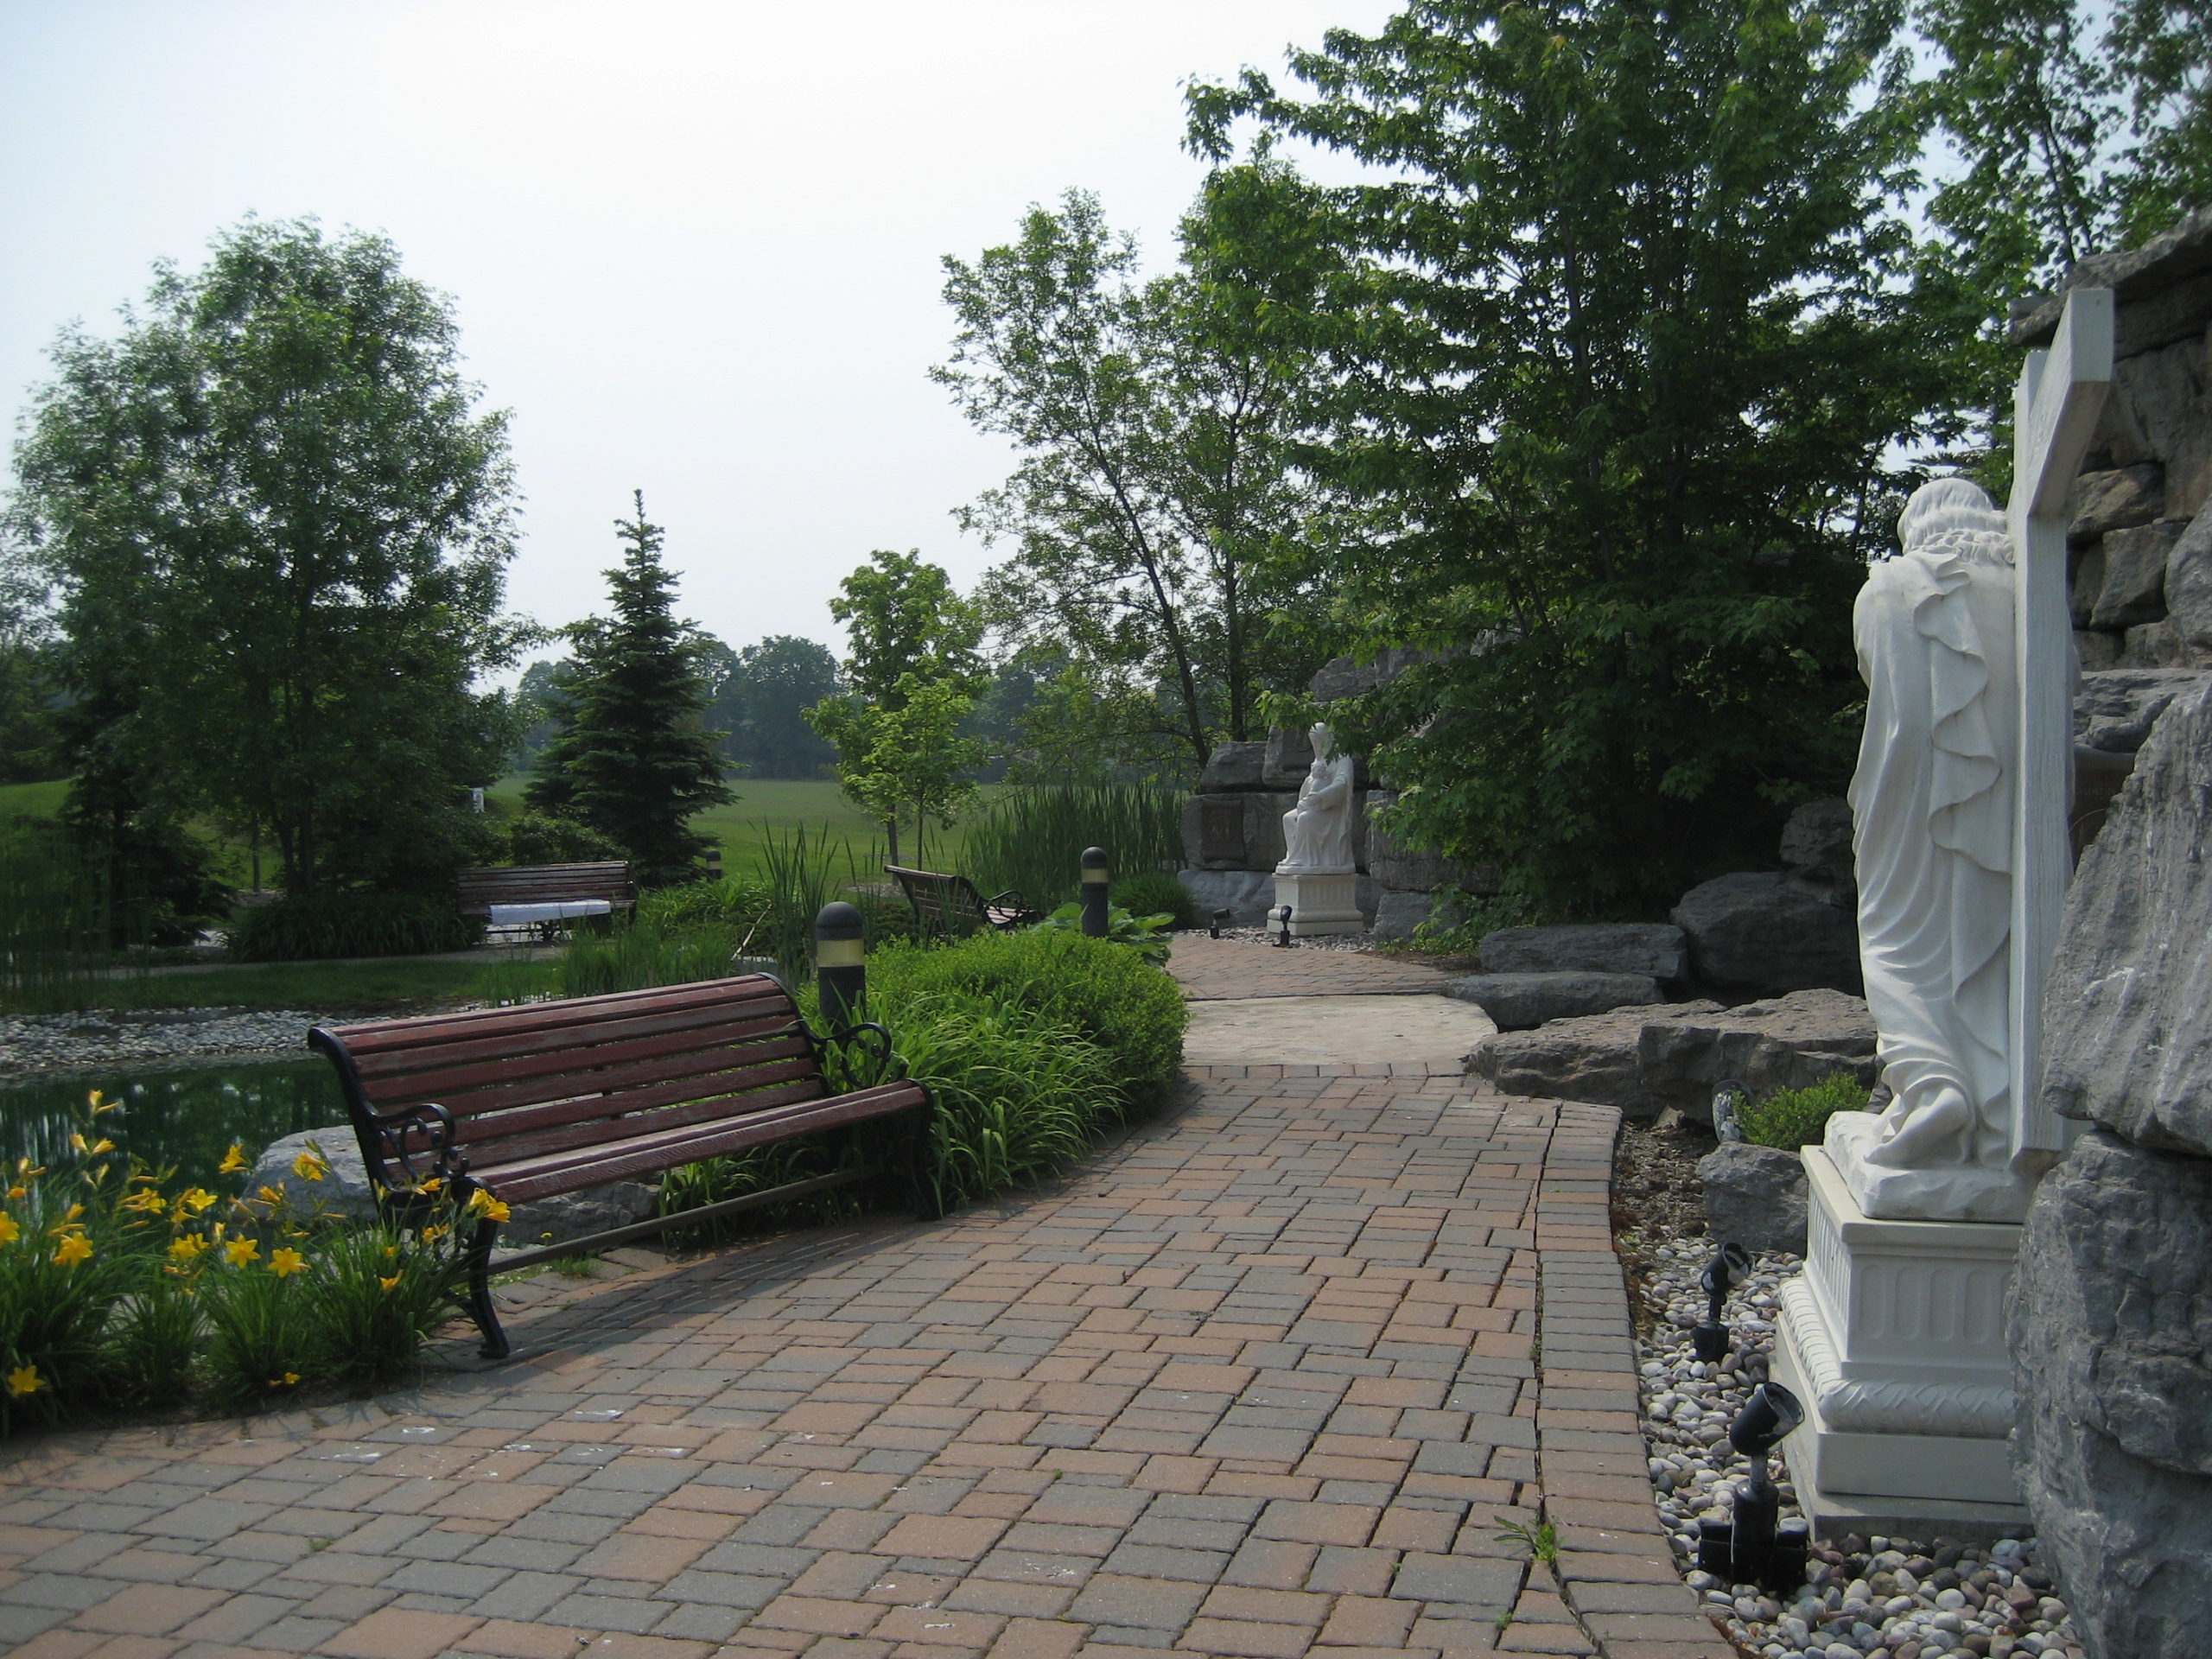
1266,1378
1211,968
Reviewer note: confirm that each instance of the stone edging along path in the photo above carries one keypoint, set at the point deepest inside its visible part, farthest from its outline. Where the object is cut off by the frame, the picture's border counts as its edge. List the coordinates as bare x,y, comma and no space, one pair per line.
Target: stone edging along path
1275,1374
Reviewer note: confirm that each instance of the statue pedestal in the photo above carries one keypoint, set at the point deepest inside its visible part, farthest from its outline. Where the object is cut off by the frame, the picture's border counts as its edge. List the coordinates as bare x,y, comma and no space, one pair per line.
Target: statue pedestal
1893,1338
1321,901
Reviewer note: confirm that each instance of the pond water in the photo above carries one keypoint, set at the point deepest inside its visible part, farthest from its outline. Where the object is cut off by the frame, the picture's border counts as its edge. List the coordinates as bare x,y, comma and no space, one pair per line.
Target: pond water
188,1117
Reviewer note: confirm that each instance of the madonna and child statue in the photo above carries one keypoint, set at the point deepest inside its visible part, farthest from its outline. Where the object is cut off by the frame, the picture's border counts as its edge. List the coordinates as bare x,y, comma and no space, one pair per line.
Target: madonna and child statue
1932,810
1317,881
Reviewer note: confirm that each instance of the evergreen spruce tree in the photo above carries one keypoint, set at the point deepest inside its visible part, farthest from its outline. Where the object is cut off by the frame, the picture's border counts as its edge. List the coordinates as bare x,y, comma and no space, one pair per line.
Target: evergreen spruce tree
632,757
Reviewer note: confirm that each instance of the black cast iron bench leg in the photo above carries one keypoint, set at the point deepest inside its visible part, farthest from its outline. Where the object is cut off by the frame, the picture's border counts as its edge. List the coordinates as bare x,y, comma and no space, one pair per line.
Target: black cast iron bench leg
481,1306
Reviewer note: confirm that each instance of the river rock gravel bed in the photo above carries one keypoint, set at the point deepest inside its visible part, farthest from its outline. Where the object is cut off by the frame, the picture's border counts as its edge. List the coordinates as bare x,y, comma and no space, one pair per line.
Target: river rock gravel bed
92,1038
1864,1597
1319,942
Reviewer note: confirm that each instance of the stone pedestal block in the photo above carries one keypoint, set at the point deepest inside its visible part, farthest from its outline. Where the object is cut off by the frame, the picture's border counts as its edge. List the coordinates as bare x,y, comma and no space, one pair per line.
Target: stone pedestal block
1321,902
1893,1338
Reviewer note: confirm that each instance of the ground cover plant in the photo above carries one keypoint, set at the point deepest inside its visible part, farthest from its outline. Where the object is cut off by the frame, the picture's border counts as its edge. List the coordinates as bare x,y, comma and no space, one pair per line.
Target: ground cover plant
122,1288
1790,1118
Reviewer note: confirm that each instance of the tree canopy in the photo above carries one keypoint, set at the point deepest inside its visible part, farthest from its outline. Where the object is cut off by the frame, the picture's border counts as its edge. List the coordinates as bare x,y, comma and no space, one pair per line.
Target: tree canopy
761,696
275,530
1624,337
631,755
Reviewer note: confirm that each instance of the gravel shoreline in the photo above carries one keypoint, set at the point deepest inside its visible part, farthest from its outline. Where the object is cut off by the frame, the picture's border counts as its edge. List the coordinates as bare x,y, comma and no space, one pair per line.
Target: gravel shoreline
1864,1597
92,1039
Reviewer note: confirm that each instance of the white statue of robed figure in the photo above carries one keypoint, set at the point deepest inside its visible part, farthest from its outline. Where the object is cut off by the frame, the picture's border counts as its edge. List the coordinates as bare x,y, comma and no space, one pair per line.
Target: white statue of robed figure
1316,832
1932,809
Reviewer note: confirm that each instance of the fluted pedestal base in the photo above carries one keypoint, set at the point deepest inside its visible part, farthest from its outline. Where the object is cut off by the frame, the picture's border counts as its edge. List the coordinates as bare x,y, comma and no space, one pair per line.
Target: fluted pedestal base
1894,1339
1321,901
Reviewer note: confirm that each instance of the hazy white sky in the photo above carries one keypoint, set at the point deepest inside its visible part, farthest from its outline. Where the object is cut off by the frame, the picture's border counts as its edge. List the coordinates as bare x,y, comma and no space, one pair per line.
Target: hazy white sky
694,246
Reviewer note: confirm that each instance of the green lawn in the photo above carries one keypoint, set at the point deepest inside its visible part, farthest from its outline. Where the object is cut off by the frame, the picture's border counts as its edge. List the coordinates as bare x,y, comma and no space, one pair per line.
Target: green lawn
33,800
401,984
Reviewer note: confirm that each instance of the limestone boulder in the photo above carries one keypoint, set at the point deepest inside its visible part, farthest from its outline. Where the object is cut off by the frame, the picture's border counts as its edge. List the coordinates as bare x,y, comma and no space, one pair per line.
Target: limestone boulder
1233,766
2116,709
342,1192
2154,645
2127,1040
2119,498
1398,914
1645,1060
2109,1322
1816,849
1245,894
2162,400
1395,865
2189,586
2096,650
1755,1196
1767,933
2133,586
1654,949
1286,756
1519,1002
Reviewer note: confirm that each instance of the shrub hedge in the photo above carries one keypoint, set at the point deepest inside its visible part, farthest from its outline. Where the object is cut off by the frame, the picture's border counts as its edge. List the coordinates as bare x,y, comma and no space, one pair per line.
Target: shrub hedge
315,926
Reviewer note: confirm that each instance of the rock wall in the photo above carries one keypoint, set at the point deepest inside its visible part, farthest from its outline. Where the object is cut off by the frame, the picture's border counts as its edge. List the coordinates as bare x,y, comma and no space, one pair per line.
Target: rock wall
2110,1319
2141,541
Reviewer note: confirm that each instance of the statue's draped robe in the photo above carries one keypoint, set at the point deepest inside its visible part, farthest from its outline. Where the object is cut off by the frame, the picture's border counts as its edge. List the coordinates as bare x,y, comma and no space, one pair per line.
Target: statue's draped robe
1316,832
1932,814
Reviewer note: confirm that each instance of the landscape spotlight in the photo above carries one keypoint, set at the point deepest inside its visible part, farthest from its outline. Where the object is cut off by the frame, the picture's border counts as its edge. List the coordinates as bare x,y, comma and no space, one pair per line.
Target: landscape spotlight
1730,1267
1750,1548
1219,917
1280,923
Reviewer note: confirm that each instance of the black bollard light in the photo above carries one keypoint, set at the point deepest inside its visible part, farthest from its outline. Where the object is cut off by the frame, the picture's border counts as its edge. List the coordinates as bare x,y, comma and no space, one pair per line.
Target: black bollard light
1095,893
1751,1547
839,963
1730,1265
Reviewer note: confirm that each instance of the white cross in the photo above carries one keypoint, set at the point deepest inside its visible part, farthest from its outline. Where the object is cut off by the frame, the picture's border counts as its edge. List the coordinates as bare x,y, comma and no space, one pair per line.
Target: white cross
2054,410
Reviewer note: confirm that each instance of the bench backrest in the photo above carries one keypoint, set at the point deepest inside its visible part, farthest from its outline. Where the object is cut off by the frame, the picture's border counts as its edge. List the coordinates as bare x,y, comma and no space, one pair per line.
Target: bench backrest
521,1083
943,904
480,887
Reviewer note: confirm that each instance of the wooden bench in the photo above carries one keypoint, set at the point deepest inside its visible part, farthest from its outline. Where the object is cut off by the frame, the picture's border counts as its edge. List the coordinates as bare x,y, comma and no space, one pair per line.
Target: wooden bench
479,887
529,1102
949,905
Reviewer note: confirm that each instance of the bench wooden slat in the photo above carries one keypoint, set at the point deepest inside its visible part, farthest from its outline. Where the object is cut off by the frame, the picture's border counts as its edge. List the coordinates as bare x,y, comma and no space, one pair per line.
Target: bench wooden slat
447,1083
558,1174
587,1132
477,889
716,996
951,906
396,1066
486,1135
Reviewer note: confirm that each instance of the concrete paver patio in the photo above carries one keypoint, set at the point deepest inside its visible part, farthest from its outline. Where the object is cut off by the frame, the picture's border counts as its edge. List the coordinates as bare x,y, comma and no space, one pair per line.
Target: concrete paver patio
1267,1376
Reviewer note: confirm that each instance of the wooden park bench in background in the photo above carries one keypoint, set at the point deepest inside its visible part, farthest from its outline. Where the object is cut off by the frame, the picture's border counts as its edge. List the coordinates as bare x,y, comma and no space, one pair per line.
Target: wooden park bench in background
559,889
949,905
529,1102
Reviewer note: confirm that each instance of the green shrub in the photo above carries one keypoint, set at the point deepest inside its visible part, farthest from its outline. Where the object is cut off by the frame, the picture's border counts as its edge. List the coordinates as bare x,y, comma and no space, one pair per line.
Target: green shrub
379,1292
263,1339
1032,839
532,837
1151,892
1110,996
1145,935
1790,1118
315,926
53,920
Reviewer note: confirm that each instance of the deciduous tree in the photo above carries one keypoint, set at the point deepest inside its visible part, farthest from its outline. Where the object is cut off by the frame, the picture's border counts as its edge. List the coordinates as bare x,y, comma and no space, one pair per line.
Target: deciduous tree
277,530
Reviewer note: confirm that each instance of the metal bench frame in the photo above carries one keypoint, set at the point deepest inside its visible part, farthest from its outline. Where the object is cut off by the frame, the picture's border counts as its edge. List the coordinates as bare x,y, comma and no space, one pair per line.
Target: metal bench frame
951,907
530,1102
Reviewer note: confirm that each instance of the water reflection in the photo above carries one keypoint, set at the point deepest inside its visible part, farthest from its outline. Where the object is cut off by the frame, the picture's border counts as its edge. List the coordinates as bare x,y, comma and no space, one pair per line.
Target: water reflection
186,1116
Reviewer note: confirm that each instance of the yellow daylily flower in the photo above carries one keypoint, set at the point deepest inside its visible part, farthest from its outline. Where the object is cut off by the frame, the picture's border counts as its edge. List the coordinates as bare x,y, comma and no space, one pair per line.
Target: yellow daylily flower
10,1232
23,1380
192,1200
270,1195
145,1201
481,1203
241,1250
19,1191
391,1251
233,1161
189,1249
433,1231
290,1379
287,1261
74,1248
309,1167
75,1210
389,1285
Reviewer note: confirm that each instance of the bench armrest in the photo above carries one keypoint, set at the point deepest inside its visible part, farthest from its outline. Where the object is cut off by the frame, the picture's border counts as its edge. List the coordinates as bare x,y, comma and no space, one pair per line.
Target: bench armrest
417,1144
875,1062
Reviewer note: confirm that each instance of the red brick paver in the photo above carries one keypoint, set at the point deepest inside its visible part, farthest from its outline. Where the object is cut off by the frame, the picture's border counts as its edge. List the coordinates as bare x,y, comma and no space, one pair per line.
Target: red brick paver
1260,1380
1209,968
